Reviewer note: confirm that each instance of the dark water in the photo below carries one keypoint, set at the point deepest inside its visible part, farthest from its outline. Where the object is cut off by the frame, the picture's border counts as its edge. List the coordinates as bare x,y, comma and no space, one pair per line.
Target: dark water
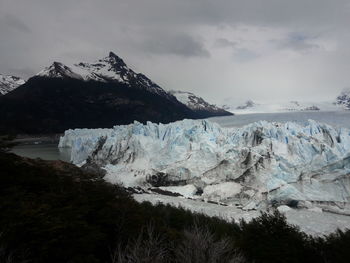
45,151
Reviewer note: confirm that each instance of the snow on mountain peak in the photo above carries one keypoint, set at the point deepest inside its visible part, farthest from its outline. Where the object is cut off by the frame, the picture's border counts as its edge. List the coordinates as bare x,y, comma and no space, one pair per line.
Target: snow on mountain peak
58,70
115,60
9,83
194,102
109,69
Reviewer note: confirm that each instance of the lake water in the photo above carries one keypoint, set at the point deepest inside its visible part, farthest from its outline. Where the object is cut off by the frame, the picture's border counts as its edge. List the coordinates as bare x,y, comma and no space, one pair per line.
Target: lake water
50,151
45,151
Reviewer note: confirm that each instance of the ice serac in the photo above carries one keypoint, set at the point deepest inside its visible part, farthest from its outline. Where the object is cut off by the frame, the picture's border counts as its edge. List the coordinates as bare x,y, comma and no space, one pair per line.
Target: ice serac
9,83
260,164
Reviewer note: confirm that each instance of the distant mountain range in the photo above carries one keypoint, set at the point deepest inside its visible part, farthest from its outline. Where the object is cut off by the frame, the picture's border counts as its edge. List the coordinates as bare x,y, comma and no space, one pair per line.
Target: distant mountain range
90,95
342,102
344,99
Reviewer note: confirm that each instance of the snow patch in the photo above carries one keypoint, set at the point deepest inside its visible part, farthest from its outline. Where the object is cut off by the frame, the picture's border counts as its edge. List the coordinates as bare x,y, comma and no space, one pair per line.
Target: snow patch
9,83
283,208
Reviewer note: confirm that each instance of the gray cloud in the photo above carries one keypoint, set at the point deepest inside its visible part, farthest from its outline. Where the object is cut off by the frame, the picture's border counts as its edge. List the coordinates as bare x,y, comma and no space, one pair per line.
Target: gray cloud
246,44
224,43
244,55
175,44
11,22
22,71
298,42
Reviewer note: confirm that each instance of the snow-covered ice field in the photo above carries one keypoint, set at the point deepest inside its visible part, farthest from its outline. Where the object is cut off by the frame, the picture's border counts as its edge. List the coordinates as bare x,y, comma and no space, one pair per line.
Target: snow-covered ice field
336,119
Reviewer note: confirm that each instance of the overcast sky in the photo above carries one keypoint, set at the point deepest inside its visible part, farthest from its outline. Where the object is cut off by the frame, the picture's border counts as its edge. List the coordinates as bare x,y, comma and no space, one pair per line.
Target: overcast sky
266,50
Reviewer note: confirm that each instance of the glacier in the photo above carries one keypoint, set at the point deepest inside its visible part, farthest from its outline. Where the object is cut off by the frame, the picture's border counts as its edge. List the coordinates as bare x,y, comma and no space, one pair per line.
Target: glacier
256,166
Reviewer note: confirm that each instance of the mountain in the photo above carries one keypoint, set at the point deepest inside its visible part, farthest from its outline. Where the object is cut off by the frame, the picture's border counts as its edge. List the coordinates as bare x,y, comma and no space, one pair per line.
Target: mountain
248,104
198,104
9,83
111,69
251,106
90,95
258,165
344,99
52,105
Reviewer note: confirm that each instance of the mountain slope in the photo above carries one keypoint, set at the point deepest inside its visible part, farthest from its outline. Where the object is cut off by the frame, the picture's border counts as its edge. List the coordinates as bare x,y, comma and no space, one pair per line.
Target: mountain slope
111,69
198,104
52,105
248,104
54,212
91,95
9,83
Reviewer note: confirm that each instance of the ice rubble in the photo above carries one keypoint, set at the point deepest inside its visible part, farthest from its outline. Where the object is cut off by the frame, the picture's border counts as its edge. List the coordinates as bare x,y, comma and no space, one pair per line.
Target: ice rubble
260,164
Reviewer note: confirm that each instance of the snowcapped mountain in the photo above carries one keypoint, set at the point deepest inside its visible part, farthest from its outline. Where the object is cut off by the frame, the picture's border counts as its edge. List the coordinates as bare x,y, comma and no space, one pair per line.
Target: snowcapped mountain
344,99
109,69
198,104
9,83
58,70
251,106
99,94
258,165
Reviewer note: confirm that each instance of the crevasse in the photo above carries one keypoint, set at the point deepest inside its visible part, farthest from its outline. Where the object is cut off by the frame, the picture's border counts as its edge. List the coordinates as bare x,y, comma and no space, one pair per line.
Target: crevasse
260,164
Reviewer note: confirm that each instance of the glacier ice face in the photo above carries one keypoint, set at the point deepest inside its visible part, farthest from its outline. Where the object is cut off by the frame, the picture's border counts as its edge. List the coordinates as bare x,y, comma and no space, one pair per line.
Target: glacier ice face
258,164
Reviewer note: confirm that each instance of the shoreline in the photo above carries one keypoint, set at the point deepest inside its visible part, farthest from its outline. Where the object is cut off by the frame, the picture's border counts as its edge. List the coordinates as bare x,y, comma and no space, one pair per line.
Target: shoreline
37,139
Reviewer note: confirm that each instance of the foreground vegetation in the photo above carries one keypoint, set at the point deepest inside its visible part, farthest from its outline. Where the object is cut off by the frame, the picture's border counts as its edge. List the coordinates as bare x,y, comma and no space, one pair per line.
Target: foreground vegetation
51,211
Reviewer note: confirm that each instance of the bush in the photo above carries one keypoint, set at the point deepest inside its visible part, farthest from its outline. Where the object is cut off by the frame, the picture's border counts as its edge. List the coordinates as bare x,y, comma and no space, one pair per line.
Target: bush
148,247
198,245
51,211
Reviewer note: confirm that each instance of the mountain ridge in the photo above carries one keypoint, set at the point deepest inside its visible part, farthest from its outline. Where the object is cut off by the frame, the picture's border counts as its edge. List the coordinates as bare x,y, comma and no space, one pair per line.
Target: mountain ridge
108,69
344,99
198,104
51,105
9,83
100,94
